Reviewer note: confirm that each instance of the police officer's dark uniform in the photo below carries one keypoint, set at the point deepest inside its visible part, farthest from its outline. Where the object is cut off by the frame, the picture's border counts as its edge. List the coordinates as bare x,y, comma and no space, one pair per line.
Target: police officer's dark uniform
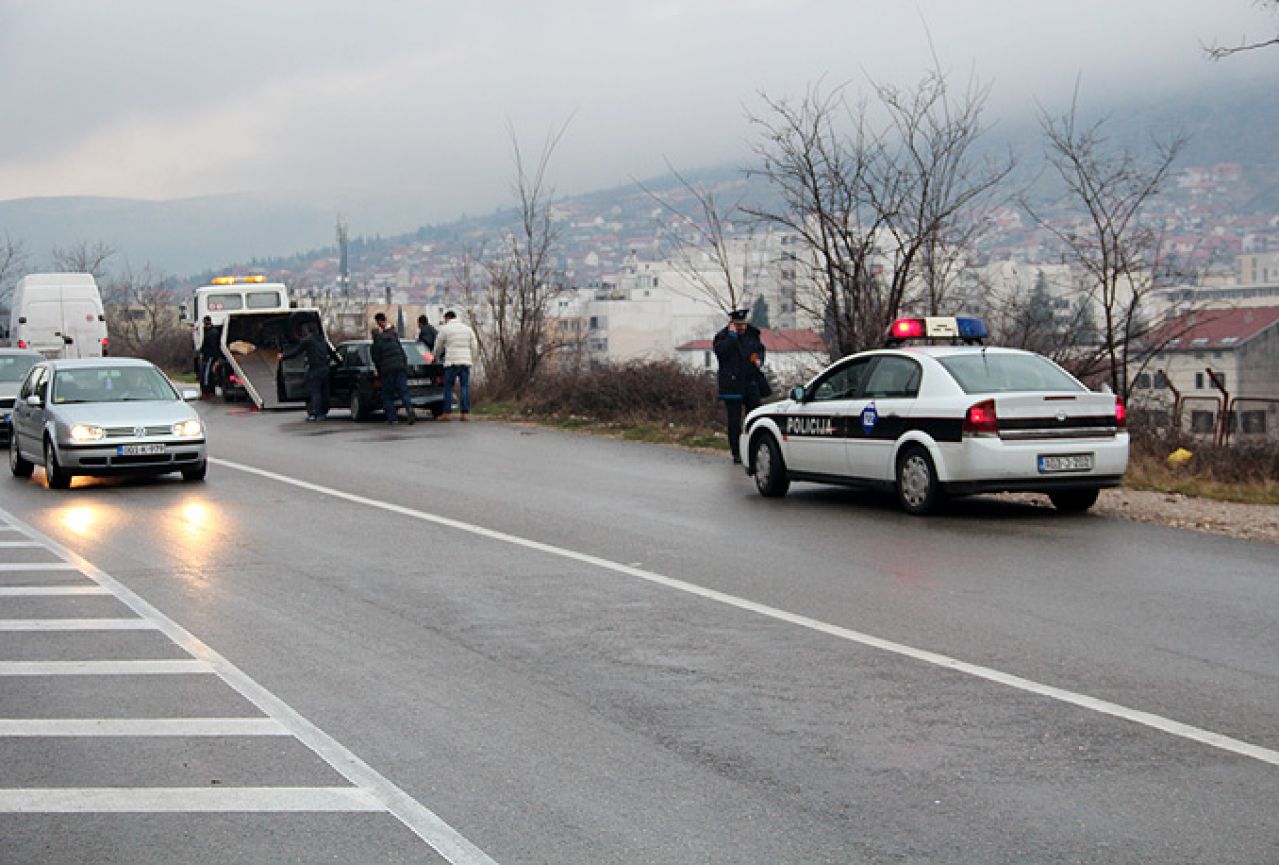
740,352
319,354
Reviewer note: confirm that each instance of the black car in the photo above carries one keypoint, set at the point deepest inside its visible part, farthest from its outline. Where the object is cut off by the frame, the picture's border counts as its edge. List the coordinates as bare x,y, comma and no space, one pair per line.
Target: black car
356,384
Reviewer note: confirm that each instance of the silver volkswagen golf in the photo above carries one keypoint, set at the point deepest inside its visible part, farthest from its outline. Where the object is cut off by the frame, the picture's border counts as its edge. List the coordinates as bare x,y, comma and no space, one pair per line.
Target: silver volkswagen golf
104,416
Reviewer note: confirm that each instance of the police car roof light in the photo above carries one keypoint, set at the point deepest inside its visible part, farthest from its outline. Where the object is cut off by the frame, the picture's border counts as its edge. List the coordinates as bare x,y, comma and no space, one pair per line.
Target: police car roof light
972,328
906,328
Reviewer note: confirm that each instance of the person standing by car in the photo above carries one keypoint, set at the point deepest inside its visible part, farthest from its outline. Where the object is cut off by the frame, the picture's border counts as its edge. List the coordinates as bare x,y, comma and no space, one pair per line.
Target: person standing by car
209,353
456,346
392,367
319,356
425,333
740,353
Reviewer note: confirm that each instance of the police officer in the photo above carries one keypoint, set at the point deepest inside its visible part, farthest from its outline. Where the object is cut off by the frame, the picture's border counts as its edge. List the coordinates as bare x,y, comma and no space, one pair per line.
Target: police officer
740,353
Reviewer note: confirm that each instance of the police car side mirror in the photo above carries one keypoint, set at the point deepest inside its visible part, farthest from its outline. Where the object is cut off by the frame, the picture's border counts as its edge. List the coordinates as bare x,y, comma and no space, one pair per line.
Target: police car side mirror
797,393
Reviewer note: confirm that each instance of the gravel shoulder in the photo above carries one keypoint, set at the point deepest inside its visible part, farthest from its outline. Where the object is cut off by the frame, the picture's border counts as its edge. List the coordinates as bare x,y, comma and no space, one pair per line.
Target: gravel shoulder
1232,519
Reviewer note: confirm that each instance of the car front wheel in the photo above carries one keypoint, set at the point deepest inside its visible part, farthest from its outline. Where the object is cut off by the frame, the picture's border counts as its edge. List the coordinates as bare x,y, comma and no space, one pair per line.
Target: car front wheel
20,467
771,478
55,475
358,409
917,486
1073,501
196,472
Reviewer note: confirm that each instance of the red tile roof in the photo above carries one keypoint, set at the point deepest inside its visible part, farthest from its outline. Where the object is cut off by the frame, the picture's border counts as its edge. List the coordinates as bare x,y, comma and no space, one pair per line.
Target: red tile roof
1218,328
775,340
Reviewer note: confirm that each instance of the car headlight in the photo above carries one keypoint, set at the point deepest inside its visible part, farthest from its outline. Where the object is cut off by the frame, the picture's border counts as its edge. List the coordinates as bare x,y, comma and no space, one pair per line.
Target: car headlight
83,432
188,429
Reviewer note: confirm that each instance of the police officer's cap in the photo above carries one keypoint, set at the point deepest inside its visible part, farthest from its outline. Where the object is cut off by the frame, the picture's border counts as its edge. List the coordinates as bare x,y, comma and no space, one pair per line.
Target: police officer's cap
739,314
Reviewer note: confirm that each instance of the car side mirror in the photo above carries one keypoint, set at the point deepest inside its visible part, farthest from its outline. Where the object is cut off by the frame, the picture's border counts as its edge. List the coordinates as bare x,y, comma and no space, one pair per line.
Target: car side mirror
190,393
34,400
797,393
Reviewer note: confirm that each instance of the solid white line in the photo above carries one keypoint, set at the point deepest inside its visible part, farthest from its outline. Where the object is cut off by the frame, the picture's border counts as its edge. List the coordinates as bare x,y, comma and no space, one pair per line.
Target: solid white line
68,800
1136,716
37,566
141,727
103,668
49,591
423,822
11,545
76,625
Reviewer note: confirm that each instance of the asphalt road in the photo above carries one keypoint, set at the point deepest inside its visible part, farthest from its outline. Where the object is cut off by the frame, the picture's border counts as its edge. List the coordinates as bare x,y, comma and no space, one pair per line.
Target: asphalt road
528,646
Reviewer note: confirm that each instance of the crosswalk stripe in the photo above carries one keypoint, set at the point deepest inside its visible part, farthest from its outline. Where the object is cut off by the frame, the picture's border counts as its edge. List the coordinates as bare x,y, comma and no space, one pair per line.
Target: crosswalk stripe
76,625
142,727
103,668
11,545
49,591
37,566
71,800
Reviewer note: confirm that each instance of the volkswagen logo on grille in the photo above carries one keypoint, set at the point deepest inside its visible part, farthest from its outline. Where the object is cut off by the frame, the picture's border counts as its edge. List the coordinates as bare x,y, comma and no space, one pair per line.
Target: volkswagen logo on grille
1061,417
139,431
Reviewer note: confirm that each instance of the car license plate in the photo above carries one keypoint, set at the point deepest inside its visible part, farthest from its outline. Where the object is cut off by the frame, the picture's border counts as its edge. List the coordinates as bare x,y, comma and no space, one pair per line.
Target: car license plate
1065,463
139,450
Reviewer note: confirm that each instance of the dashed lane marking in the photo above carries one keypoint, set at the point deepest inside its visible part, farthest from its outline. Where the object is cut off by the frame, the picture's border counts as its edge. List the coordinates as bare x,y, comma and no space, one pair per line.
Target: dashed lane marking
124,800
142,727
371,791
175,667
1093,704
76,625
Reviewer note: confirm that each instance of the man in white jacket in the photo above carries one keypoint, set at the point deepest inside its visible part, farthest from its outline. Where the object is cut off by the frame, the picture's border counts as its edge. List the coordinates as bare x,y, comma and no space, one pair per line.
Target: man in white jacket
456,346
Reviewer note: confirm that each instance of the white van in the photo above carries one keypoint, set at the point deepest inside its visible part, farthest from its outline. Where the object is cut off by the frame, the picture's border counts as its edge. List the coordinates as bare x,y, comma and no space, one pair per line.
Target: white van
58,315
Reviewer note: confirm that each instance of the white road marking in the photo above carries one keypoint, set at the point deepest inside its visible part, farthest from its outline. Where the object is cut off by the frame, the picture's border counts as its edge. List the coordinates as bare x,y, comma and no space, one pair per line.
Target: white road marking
1104,707
49,591
104,668
76,625
9,545
151,800
37,566
142,727
385,795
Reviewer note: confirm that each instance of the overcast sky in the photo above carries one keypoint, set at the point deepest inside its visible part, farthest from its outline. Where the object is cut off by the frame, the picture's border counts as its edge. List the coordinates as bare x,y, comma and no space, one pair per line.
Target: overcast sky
182,98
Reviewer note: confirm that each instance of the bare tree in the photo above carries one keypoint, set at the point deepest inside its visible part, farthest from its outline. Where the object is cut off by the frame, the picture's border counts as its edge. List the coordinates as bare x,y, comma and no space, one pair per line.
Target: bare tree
1219,52
1114,245
141,307
706,237
887,214
83,257
13,260
521,283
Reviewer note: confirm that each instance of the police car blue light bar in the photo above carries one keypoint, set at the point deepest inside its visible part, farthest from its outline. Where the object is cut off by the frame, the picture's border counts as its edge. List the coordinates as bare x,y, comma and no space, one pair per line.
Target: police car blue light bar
938,327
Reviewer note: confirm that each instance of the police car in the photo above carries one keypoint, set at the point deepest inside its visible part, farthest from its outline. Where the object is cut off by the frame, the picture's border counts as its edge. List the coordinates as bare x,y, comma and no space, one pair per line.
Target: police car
937,413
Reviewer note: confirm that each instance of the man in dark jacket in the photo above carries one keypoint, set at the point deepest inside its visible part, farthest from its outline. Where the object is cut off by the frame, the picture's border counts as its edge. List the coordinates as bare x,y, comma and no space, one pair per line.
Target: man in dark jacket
425,333
392,367
210,351
319,356
740,353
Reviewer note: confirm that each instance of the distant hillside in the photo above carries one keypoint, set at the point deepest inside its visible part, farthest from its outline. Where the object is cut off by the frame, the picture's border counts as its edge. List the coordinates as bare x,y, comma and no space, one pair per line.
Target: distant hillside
191,236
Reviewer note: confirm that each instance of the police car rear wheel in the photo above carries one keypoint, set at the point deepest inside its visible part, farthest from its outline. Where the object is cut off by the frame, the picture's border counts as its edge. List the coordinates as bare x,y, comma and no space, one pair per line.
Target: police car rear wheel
917,487
1073,501
770,469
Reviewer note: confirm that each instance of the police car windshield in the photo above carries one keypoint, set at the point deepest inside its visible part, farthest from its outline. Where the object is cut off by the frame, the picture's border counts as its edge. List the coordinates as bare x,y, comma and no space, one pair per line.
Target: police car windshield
993,372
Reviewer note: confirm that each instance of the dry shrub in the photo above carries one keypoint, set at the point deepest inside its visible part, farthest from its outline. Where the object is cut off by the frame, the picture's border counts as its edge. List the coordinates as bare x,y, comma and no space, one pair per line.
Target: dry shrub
1243,461
632,393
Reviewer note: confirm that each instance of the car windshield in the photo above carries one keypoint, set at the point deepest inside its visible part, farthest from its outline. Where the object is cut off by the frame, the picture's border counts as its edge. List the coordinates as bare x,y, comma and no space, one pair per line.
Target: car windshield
111,384
996,372
14,367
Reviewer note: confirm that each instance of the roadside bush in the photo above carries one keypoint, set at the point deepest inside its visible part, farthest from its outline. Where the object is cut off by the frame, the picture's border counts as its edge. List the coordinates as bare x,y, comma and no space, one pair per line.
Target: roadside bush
1242,462
170,350
637,393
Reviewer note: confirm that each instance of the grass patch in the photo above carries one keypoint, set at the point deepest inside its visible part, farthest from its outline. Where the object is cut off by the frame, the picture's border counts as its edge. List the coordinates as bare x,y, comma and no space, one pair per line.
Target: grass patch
1156,475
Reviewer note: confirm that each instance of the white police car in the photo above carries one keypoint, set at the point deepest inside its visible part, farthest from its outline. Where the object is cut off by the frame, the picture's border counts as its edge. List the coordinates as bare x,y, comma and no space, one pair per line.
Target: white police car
948,418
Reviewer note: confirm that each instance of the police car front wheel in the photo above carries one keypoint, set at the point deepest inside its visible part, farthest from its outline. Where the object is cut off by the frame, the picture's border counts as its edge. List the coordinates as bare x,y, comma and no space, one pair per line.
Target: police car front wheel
917,486
770,469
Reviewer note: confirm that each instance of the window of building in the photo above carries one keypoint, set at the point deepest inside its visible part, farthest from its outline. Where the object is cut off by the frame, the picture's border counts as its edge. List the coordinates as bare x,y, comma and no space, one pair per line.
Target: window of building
1199,381
1143,381
1202,421
1161,381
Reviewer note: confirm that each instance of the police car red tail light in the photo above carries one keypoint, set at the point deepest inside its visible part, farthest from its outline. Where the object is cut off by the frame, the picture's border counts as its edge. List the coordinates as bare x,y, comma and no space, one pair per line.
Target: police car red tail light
907,328
1121,414
980,419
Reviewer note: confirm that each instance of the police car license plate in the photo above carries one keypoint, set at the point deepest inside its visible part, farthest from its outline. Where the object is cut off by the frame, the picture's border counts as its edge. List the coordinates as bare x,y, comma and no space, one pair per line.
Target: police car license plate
1064,463
139,450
